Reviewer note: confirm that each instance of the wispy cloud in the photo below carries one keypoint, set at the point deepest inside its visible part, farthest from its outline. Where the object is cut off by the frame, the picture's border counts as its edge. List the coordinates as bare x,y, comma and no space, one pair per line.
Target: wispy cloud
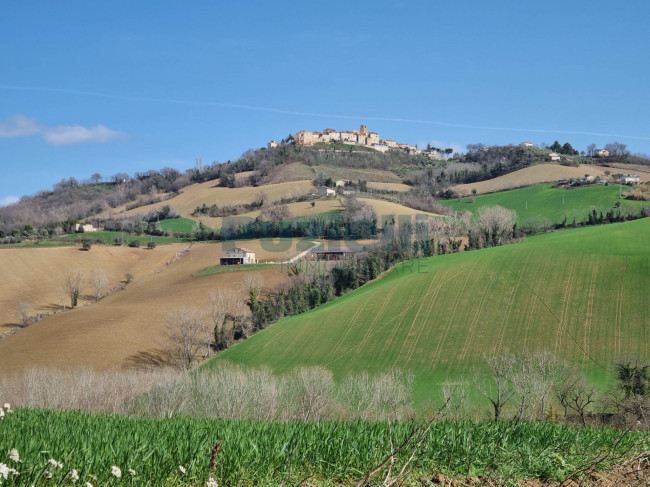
76,134
46,89
22,126
18,126
8,200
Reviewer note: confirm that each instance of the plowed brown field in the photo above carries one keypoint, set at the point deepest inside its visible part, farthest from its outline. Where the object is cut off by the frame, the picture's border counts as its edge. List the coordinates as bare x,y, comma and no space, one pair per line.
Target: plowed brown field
126,328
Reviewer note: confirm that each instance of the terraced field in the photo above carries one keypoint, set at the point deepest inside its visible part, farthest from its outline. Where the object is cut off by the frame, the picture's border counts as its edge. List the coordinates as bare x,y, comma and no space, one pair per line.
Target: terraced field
583,294
549,202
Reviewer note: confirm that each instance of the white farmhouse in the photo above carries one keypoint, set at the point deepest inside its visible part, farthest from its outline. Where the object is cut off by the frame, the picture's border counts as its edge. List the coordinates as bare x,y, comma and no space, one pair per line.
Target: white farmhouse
325,191
630,179
555,156
239,255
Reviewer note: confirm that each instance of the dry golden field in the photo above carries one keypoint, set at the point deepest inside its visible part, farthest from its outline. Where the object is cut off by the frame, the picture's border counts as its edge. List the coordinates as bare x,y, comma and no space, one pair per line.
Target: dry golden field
36,276
210,193
126,328
375,175
387,208
302,208
542,173
296,171
390,186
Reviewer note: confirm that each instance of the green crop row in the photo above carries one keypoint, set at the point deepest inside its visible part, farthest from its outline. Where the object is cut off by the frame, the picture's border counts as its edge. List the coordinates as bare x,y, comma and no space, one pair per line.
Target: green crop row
255,453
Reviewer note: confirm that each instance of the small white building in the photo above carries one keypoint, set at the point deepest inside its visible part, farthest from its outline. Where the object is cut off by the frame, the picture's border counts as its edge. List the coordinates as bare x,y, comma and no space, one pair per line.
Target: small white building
272,145
527,144
85,228
554,156
239,255
630,179
340,183
601,153
325,191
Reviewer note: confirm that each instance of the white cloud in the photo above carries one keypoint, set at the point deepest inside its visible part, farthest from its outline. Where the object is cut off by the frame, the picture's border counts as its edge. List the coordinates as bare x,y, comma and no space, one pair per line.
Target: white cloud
21,126
9,200
76,134
18,126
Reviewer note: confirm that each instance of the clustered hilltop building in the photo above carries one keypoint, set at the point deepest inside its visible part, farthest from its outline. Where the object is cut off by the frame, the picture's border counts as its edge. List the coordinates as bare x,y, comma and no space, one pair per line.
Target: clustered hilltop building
353,137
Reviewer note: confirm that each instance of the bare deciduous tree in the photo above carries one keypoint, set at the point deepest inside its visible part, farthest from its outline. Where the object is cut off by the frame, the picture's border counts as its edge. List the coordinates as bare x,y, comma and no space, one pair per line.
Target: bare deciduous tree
98,281
73,280
497,387
185,330
497,224
22,313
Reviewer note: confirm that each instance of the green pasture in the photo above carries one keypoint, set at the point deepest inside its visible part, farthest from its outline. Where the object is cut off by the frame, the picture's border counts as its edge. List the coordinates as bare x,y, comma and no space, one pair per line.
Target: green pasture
274,454
583,294
220,269
547,201
178,225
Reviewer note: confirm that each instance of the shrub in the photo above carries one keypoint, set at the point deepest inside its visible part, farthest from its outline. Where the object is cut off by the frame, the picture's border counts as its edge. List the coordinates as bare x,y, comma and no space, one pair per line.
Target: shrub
86,244
151,245
134,243
117,241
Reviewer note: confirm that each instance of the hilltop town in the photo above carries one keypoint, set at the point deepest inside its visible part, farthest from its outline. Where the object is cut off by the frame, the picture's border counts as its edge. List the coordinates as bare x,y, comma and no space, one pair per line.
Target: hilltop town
354,137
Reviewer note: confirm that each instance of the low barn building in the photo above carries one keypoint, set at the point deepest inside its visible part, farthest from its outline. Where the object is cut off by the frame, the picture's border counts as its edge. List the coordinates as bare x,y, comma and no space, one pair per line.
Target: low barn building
324,191
239,255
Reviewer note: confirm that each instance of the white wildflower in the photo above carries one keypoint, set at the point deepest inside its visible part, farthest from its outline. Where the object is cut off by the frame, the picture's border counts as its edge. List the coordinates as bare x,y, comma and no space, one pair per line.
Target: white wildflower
2,414
181,469
54,463
74,475
116,472
88,484
4,471
48,474
14,456
131,472
211,483
7,408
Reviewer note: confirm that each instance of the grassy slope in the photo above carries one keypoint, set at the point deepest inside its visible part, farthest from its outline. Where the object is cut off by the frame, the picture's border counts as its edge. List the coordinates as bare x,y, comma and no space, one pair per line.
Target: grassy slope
546,201
439,319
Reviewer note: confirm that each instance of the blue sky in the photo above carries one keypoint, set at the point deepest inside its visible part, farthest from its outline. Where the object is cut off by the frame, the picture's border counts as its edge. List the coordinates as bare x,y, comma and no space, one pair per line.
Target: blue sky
127,86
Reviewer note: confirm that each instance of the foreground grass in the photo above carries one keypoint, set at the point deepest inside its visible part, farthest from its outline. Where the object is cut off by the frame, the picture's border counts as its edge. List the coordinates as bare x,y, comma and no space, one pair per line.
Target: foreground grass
253,453
547,201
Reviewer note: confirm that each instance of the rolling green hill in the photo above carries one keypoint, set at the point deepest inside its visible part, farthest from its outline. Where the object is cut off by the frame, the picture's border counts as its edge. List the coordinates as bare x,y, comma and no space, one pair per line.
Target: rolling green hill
436,317
545,200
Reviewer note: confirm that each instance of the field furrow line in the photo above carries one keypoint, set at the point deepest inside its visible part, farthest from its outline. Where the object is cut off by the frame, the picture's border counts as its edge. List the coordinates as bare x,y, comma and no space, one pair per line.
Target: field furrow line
565,309
531,315
368,333
344,335
432,302
477,314
450,320
424,299
409,305
590,307
619,319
